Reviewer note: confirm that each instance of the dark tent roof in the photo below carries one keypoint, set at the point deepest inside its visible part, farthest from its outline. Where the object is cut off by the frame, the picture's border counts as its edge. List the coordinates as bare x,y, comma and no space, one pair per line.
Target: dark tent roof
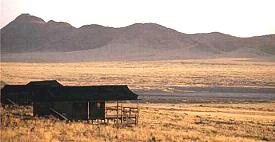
84,93
51,90
13,88
52,83
30,87
18,94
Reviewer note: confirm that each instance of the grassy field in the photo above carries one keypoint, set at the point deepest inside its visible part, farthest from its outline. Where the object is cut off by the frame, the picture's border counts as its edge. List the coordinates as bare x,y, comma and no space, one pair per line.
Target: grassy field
214,120
158,122
147,75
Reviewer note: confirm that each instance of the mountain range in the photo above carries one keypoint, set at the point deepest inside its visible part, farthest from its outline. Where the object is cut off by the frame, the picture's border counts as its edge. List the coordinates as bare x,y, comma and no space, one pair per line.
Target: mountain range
30,39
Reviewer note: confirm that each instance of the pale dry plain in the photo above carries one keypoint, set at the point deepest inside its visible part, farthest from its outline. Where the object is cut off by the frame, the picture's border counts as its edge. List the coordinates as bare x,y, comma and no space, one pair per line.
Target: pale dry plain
146,75
207,121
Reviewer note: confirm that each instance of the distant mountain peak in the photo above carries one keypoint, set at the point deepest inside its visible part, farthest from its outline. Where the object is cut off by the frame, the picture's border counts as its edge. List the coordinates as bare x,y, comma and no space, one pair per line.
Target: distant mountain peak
24,14
59,24
95,26
149,27
146,25
51,21
27,18
219,34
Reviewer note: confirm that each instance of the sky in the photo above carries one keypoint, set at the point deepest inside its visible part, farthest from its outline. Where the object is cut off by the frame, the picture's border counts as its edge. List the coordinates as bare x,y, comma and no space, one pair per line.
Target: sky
243,18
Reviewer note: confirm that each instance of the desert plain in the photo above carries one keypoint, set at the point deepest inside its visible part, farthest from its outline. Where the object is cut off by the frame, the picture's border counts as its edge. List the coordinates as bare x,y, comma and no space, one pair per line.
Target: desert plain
181,100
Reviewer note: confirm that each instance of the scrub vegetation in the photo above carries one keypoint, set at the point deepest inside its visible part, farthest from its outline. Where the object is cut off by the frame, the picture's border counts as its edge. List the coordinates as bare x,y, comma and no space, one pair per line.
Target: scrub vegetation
244,121
158,122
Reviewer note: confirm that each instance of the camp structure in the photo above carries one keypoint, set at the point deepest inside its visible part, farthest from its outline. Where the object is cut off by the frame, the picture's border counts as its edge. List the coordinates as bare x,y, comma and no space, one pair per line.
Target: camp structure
93,103
96,104
23,94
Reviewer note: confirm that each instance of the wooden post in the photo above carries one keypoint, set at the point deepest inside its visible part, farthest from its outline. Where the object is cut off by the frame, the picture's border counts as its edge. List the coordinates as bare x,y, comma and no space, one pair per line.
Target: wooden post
88,112
105,112
28,98
137,115
34,109
121,114
117,111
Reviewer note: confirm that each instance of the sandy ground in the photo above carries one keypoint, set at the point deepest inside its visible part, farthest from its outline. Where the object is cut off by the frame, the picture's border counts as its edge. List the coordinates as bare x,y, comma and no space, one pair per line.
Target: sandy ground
204,97
208,95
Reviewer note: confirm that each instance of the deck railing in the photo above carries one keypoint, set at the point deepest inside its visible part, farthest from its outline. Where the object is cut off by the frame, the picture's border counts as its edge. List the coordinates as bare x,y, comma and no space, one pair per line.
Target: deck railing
123,115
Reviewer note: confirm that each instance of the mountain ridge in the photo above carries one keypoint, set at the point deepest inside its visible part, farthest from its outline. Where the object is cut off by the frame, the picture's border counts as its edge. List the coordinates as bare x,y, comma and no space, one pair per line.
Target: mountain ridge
31,36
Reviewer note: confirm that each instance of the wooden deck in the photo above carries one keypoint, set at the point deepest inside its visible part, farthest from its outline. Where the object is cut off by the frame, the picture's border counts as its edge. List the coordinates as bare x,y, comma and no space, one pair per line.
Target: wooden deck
120,115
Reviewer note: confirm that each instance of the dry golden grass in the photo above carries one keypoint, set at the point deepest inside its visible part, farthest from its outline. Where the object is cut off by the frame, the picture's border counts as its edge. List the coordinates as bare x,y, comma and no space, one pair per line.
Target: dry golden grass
162,75
158,122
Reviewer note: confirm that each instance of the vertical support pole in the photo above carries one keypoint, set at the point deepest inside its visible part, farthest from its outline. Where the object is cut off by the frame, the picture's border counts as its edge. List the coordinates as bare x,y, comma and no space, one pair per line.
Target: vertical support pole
121,114
28,98
34,109
88,111
137,115
117,111
105,112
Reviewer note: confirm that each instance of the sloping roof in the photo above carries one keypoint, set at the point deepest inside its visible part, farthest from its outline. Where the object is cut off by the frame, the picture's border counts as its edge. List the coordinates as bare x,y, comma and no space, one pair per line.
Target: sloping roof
18,94
13,88
80,93
30,87
52,83
51,90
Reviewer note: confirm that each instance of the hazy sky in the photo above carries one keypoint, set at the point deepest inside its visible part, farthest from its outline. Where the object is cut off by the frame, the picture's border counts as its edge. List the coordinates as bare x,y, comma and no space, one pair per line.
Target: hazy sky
237,17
